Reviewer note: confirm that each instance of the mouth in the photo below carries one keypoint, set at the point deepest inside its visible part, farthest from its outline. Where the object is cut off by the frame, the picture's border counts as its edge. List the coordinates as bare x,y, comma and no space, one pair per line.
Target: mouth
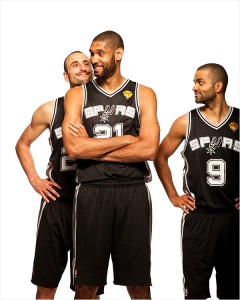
82,74
96,67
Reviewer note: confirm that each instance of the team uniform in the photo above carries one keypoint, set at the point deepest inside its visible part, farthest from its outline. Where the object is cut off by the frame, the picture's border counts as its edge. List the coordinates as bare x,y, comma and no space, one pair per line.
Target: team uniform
210,234
54,230
113,206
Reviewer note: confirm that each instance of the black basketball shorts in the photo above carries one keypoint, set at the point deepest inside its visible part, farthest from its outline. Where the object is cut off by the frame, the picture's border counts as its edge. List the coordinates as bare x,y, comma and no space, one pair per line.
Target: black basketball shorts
54,241
114,221
211,240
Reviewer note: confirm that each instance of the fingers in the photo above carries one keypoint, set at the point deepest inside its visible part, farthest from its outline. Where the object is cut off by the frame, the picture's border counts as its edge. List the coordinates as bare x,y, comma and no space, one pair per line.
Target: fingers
48,192
77,129
237,205
185,202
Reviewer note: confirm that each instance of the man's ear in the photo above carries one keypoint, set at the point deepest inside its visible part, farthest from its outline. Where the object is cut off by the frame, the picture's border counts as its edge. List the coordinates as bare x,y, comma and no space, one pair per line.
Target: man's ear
218,86
119,53
65,75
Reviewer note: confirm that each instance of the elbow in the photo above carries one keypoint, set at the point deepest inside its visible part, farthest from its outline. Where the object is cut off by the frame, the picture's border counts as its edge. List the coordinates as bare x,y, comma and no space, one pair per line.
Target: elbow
17,147
152,153
72,154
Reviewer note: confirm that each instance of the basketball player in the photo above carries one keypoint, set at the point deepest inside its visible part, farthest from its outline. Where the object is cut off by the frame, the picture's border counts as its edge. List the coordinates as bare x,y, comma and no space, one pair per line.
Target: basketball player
113,208
54,233
210,223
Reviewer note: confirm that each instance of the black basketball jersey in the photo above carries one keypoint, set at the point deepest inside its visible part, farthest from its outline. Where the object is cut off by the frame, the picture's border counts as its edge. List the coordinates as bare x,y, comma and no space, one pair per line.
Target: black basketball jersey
61,168
108,115
211,154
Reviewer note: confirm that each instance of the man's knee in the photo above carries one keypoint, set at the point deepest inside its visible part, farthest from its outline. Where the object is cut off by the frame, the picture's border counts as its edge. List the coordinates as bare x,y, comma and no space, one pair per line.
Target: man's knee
45,293
85,292
139,292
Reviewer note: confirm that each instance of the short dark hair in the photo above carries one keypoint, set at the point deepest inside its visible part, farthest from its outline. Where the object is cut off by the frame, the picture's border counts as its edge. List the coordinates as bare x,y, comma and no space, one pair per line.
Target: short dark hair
218,73
113,39
65,60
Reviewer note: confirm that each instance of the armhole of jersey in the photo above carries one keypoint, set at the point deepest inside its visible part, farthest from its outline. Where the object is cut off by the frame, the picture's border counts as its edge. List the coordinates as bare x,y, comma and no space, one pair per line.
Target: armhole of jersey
137,100
188,130
84,98
53,114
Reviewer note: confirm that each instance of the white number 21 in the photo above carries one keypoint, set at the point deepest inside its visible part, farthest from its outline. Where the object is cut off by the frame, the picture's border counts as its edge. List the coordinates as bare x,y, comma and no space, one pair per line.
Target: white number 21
106,131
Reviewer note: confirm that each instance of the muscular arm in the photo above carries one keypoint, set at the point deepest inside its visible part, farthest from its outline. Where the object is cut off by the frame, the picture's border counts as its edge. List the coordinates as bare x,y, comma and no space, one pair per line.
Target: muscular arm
40,121
147,145
82,146
167,147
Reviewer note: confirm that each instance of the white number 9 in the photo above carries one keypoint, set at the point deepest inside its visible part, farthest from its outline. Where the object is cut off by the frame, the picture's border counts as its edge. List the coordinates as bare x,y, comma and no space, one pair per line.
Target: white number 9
216,168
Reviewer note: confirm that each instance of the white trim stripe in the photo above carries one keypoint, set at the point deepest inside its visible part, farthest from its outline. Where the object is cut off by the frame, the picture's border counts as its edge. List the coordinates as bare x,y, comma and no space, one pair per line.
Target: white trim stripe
40,214
113,93
74,230
137,100
212,125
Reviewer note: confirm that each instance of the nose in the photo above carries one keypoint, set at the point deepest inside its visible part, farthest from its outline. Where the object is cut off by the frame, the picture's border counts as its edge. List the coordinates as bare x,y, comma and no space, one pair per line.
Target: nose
83,67
194,87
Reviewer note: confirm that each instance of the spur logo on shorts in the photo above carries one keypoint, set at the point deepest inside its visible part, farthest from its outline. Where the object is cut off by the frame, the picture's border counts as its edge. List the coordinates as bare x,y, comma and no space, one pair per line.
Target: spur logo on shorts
186,292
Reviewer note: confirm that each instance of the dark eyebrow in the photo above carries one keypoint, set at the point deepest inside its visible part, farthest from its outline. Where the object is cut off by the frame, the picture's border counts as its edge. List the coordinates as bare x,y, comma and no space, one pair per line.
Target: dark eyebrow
73,62
198,79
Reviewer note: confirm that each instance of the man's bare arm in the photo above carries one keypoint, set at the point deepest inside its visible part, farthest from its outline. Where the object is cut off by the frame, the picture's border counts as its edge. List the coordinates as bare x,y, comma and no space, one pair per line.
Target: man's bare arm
167,147
146,147
81,146
40,121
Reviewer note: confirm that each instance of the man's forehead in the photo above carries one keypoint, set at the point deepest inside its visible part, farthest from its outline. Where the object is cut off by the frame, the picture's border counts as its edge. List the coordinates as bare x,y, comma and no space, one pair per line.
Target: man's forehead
99,45
77,57
202,74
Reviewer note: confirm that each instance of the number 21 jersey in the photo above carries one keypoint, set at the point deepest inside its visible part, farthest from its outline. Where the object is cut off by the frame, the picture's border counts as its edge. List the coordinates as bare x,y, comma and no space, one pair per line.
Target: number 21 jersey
211,155
107,115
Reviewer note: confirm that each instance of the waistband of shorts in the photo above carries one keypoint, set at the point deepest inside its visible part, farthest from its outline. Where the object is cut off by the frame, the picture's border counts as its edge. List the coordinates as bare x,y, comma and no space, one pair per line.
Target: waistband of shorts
217,211
114,183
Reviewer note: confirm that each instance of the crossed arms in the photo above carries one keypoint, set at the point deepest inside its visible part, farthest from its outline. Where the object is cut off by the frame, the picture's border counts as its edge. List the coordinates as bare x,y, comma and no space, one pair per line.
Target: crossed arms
116,149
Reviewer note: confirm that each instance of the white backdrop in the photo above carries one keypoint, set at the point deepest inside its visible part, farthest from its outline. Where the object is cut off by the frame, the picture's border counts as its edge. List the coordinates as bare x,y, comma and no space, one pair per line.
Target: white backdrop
165,42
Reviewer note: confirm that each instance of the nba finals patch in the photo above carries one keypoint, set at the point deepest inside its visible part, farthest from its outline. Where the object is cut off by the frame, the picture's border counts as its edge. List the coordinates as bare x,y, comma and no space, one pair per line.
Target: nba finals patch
58,132
127,94
233,126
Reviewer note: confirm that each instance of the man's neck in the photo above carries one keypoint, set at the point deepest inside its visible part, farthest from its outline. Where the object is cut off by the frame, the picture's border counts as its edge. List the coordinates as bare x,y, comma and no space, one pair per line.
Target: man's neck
216,112
110,84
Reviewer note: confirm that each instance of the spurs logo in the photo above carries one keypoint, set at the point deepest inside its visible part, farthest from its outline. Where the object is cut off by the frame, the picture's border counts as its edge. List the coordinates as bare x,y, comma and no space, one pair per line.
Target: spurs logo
233,126
107,112
214,144
127,94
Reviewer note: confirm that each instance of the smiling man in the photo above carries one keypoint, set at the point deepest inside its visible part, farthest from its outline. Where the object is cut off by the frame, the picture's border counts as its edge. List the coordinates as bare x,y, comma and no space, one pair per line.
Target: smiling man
113,206
54,231
210,223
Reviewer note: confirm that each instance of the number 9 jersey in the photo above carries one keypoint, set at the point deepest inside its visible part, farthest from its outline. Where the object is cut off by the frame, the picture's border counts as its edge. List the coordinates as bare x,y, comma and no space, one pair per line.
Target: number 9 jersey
211,156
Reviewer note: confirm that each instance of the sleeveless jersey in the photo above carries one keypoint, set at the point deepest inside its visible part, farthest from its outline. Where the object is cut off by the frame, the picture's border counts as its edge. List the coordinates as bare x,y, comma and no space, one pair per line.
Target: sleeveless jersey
108,115
211,154
61,168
